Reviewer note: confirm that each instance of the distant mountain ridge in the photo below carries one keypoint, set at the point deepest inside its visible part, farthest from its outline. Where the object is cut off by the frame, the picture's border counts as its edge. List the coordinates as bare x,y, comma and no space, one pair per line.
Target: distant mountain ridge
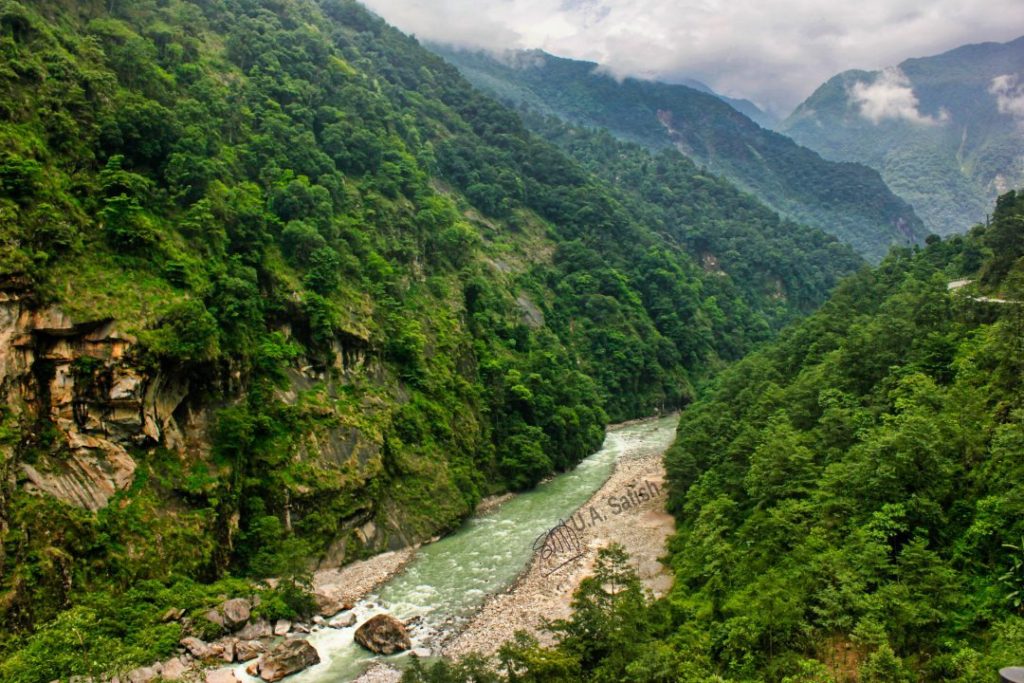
849,201
744,106
946,132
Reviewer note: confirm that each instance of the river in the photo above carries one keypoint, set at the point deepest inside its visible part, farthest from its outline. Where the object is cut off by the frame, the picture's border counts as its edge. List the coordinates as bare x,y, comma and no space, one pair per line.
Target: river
447,581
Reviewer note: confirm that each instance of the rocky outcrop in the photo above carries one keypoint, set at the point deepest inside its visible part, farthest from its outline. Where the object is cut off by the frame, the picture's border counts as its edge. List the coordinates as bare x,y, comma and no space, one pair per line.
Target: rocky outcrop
383,635
287,658
80,376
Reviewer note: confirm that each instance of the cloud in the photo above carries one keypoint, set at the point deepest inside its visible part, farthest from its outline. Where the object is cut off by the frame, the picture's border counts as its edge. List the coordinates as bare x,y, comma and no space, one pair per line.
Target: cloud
1009,96
890,96
774,52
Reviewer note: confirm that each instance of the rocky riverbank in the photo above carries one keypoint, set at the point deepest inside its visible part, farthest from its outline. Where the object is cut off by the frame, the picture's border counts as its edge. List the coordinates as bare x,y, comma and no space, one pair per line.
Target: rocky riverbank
628,509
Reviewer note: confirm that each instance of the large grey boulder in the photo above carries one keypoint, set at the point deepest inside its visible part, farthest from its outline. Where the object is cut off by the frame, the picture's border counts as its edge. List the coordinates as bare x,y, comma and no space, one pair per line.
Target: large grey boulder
383,635
236,613
286,658
256,629
195,647
247,650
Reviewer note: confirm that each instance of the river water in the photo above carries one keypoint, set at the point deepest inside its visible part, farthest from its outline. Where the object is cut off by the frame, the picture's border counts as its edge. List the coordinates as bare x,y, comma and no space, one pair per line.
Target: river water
448,580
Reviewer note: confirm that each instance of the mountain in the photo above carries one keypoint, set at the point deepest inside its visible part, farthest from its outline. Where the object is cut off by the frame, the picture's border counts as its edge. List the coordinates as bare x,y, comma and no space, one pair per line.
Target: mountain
946,132
279,288
753,112
847,200
848,497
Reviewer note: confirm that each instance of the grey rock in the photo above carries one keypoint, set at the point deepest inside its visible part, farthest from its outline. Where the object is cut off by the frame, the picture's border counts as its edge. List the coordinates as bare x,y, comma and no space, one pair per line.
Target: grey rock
215,617
174,669
221,676
246,650
236,613
282,627
195,647
343,620
256,629
383,635
286,658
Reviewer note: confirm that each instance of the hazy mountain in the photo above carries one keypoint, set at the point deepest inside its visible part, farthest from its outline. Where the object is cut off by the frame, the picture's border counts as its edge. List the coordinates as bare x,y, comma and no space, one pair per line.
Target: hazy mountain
746,107
849,201
946,132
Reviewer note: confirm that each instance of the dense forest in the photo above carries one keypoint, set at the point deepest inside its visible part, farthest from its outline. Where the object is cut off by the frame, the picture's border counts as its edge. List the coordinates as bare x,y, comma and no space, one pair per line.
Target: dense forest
847,200
848,498
280,286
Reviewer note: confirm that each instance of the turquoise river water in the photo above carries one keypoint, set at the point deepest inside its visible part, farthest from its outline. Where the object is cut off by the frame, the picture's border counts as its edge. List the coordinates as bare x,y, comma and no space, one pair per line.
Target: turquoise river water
448,580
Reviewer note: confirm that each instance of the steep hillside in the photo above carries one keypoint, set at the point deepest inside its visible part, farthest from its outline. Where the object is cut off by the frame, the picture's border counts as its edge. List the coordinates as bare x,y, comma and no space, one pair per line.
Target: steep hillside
849,498
746,107
279,287
849,201
946,132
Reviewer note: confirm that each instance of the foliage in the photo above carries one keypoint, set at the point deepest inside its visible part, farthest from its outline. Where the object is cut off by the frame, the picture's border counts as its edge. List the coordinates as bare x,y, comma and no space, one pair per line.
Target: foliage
848,498
847,200
382,296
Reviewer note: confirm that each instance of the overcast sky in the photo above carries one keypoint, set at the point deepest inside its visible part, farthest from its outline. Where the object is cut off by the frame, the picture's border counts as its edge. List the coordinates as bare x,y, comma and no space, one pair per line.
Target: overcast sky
774,52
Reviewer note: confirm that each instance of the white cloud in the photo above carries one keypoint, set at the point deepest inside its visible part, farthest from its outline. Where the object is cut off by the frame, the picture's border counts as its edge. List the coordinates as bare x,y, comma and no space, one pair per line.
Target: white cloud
890,96
1009,96
773,51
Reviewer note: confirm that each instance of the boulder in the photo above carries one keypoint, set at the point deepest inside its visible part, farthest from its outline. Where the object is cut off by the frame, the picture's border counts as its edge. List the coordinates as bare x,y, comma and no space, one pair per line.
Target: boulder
282,627
328,605
236,613
221,676
174,669
299,627
319,620
256,629
215,617
224,649
383,635
195,647
246,650
286,658
343,620
144,674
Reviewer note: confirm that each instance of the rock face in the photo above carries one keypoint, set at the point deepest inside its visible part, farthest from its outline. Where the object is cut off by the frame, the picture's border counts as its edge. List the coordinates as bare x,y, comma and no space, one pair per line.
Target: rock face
287,658
383,635
80,376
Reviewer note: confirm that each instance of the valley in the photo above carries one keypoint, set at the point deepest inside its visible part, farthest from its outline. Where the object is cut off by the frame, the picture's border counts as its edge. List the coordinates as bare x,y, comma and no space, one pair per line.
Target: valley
329,354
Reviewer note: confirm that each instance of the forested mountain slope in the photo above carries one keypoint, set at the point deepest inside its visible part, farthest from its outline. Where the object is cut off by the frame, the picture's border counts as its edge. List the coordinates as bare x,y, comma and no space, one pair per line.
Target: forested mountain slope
950,141
847,200
849,499
279,286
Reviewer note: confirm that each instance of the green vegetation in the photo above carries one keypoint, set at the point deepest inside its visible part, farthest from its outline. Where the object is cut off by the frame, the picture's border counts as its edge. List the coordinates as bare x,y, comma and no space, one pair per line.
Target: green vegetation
848,498
846,200
382,297
950,169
